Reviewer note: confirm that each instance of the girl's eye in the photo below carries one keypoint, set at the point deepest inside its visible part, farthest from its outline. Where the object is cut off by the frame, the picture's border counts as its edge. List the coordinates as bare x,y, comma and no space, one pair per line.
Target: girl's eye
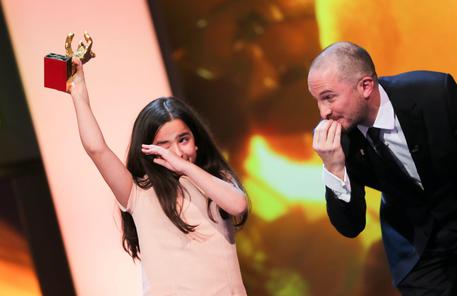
184,140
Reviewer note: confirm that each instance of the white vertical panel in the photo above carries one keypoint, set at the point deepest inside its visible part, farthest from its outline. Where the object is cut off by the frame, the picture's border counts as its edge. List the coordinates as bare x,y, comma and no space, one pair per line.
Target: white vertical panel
126,74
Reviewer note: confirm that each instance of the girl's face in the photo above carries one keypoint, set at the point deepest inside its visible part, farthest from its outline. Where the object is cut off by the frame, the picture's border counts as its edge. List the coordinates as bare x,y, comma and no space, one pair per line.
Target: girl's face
176,137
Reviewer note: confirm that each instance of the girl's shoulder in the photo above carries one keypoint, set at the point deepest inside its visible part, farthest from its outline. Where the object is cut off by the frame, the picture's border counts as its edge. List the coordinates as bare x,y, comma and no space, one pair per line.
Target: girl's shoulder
140,189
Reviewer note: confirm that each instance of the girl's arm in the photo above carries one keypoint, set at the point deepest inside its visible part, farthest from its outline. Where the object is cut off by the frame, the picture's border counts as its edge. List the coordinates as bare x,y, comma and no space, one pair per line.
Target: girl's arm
228,197
108,164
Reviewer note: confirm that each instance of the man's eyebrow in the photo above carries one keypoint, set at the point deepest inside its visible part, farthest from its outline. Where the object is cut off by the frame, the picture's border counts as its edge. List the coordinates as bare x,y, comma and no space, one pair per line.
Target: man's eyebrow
325,92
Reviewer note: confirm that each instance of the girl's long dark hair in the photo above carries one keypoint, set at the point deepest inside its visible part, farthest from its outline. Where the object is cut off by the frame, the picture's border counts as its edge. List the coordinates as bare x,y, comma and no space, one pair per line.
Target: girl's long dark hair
147,174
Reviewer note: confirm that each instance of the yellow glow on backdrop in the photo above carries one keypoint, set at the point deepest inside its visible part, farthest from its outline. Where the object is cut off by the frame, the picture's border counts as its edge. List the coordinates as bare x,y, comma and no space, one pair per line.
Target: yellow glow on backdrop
286,176
126,74
275,183
401,35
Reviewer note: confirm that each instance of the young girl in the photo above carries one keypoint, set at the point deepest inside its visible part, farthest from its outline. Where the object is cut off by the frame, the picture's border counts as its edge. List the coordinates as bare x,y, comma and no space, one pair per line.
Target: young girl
179,199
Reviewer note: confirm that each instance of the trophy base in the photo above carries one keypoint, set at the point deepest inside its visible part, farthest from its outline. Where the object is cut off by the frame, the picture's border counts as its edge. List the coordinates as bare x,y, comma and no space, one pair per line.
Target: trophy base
57,71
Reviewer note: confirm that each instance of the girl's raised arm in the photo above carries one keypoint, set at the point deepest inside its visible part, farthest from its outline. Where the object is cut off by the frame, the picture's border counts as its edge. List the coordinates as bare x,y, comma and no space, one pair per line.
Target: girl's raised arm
108,164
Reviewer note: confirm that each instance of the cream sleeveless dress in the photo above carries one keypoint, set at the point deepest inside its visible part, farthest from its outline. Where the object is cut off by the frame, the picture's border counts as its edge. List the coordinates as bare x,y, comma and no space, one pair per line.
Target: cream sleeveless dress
203,262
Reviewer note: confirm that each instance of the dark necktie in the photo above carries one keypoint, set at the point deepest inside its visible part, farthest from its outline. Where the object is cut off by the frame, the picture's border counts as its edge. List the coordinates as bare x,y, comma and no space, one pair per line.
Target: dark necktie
383,151
373,133
392,167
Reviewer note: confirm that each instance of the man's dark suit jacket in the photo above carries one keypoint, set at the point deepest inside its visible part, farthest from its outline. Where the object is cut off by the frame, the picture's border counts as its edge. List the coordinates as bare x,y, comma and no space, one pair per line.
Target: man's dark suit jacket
425,104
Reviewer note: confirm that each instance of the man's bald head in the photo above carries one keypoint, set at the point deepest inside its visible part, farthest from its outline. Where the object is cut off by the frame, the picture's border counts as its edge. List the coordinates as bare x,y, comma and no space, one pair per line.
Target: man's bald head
350,60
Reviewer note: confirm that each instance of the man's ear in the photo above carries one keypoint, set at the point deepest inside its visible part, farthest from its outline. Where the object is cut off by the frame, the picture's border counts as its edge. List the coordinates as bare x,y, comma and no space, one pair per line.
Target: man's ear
366,86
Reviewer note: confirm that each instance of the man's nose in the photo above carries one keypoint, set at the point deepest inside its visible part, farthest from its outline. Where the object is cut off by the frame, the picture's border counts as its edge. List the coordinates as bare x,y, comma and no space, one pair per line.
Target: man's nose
325,112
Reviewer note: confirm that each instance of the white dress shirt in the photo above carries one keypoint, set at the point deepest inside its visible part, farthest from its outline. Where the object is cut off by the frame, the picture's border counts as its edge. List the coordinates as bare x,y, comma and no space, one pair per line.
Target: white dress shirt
392,135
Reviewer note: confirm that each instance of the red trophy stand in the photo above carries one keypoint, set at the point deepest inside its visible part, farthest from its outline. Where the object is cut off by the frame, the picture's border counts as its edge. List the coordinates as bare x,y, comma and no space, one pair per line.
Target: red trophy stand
57,71
58,68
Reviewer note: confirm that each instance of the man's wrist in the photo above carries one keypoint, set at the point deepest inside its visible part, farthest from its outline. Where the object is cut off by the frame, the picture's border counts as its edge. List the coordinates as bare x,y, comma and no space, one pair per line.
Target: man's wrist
338,171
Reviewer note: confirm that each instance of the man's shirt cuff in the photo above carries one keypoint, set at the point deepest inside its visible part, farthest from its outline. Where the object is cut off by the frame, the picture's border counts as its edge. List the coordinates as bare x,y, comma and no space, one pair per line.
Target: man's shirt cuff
341,188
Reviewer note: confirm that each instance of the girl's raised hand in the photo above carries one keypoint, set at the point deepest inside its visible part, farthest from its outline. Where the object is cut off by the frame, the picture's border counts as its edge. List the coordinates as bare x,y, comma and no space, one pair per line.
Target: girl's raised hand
166,158
76,83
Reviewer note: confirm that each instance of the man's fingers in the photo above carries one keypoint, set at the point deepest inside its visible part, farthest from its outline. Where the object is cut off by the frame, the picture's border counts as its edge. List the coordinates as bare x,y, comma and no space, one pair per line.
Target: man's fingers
331,133
327,137
320,132
337,138
317,134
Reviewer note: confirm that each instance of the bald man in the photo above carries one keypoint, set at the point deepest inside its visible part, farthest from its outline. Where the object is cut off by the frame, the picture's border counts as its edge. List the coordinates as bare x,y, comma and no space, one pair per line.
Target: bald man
398,135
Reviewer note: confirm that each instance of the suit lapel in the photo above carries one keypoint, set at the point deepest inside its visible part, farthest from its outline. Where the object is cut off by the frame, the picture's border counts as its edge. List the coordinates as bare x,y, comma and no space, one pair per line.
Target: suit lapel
365,163
414,130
